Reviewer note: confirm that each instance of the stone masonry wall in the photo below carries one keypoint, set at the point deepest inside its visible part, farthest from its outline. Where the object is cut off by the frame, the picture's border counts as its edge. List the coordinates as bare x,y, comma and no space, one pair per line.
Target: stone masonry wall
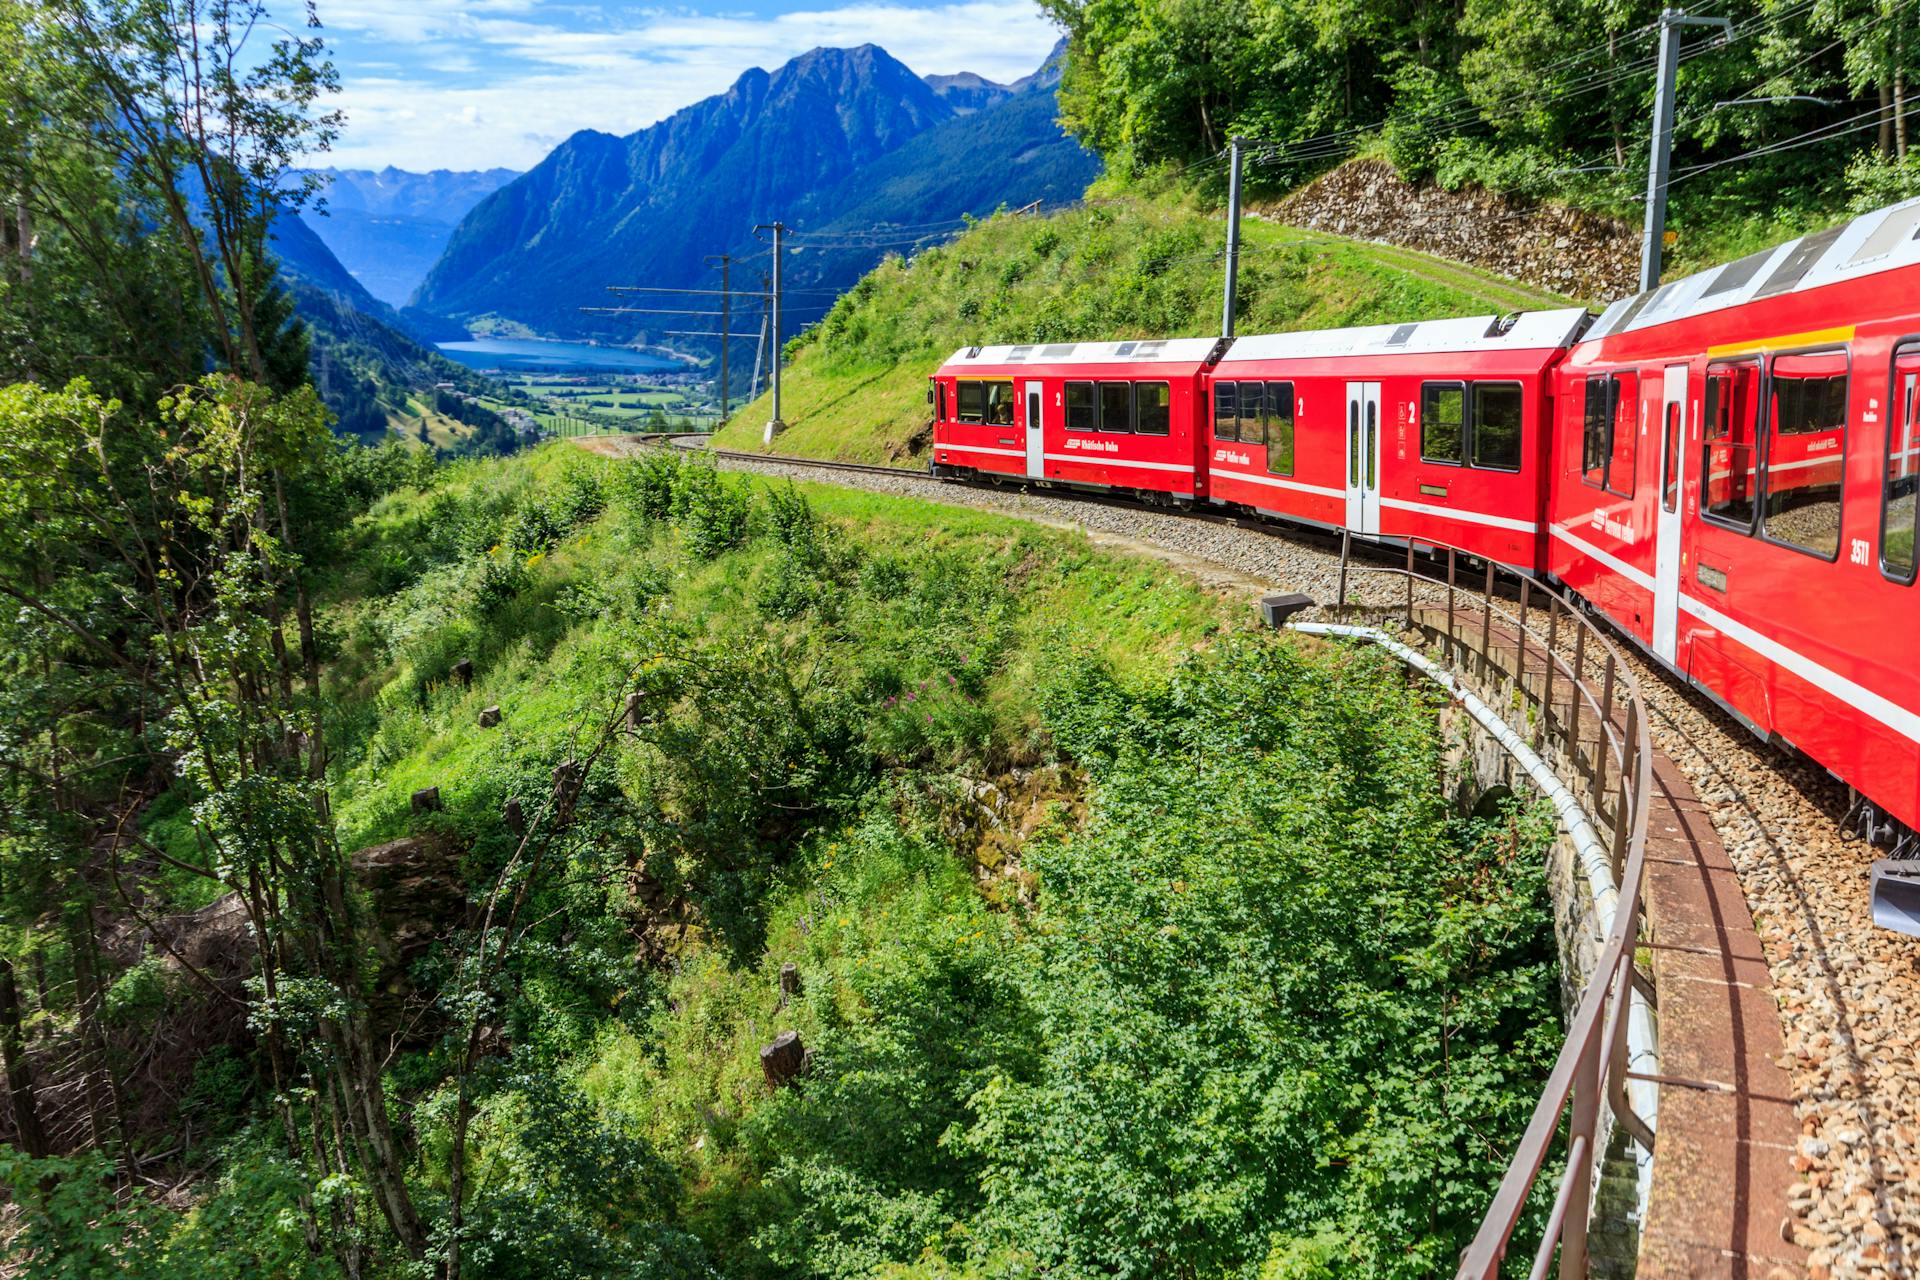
1580,255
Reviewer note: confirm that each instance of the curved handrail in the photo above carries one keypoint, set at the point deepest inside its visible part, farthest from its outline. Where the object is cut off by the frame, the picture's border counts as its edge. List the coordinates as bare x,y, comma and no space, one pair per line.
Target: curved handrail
1593,1060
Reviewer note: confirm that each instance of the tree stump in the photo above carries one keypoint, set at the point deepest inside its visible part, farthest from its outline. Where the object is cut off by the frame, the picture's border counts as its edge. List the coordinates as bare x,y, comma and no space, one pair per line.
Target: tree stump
789,982
427,800
635,717
463,672
783,1060
489,717
516,818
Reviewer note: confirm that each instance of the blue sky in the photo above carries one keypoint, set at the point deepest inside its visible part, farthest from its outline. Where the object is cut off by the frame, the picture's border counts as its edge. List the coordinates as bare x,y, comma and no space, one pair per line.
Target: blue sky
471,84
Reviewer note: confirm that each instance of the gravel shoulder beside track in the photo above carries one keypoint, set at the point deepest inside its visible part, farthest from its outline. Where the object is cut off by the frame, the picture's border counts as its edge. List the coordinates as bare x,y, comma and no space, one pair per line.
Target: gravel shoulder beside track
1848,994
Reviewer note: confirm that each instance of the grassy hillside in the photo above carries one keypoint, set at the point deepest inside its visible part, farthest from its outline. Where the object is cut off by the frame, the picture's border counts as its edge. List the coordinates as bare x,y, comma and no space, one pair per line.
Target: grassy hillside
1121,267
1072,1009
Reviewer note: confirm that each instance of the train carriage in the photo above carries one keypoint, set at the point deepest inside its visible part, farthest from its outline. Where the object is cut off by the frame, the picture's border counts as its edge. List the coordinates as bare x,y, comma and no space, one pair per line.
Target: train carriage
1094,415
1435,430
1734,484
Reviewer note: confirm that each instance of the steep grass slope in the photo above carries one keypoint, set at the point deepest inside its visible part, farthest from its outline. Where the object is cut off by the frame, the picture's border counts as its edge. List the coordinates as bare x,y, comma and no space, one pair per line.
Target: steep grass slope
1123,267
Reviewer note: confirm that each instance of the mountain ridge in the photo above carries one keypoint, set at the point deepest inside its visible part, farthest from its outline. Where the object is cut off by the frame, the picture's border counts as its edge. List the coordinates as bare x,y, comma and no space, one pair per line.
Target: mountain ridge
829,131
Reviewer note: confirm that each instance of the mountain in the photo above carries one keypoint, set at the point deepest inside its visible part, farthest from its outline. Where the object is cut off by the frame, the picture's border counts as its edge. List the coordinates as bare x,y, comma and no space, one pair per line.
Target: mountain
1011,152
836,140
388,226
967,92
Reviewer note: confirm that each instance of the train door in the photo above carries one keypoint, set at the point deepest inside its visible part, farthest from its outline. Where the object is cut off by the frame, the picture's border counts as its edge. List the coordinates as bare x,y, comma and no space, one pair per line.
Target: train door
1666,516
1036,397
1363,457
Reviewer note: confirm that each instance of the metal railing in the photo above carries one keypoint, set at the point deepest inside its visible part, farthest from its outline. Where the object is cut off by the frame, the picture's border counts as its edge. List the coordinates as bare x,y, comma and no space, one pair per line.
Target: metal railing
1530,649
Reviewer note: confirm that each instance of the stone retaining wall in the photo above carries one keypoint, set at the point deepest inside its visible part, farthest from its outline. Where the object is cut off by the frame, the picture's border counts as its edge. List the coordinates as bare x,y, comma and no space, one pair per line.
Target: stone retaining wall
1580,255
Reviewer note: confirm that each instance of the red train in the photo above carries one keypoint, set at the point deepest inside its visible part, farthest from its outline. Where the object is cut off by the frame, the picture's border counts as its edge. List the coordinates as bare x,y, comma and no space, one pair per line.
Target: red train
1728,466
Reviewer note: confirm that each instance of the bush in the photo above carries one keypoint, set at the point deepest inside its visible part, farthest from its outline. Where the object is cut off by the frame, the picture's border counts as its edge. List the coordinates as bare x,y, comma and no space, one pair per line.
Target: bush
711,512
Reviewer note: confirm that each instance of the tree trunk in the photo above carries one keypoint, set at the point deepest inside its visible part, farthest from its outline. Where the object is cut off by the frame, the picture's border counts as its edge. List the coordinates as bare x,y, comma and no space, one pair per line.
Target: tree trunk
1886,120
26,1108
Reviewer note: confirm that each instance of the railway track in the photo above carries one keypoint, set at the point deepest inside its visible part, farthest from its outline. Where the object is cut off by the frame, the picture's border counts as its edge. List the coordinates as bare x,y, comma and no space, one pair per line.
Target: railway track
1848,995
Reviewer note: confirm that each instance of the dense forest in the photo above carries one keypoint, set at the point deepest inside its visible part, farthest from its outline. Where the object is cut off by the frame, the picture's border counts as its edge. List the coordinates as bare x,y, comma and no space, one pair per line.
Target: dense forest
1795,111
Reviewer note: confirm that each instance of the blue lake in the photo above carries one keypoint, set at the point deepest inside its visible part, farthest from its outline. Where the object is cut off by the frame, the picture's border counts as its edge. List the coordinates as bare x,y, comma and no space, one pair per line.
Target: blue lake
533,354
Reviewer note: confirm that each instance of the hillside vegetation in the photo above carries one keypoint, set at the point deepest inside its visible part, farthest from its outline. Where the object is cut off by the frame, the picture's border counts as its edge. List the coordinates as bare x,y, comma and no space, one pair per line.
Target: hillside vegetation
1070,1013
1123,266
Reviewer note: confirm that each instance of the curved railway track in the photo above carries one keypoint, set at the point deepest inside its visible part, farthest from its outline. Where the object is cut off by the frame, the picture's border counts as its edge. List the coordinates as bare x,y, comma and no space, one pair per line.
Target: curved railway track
1848,996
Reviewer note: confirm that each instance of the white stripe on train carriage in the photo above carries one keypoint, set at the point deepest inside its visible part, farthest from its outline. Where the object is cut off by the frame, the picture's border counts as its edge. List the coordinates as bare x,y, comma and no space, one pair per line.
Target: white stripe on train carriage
1891,714
981,448
1278,482
1896,717
1637,577
1110,460
1455,513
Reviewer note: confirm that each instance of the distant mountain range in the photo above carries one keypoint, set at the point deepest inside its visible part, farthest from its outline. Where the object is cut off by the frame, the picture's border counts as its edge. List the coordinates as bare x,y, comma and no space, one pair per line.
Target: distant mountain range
388,227
844,145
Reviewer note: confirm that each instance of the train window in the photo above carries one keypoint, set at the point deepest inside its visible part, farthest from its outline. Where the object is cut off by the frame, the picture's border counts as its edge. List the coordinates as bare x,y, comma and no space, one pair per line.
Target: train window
973,401
1370,451
1669,457
1226,413
1116,406
1596,422
999,403
1152,408
941,389
1080,406
1609,427
1727,451
1253,424
1900,495
1353,444
1280,428
1626,431
1496,425
1806,448
1443,422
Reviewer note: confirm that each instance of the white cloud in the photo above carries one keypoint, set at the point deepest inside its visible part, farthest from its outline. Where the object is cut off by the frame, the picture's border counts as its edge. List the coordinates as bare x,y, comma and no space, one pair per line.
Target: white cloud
493,84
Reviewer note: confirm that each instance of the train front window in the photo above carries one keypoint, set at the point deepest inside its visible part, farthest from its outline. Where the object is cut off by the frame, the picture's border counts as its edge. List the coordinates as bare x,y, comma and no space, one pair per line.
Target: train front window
1152,408
1806,451
1900,494
999,404
973,402
1116,406
1727,450
1443,416
1226,411
1280,428
1496,425
1080,406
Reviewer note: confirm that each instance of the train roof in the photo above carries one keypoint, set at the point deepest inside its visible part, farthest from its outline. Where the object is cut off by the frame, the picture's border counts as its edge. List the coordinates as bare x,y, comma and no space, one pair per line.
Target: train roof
1530,330
1141,351
1873,242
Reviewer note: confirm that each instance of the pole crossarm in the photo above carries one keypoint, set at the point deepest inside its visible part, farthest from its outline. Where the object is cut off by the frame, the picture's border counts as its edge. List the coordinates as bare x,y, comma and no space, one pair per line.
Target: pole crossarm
661,288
